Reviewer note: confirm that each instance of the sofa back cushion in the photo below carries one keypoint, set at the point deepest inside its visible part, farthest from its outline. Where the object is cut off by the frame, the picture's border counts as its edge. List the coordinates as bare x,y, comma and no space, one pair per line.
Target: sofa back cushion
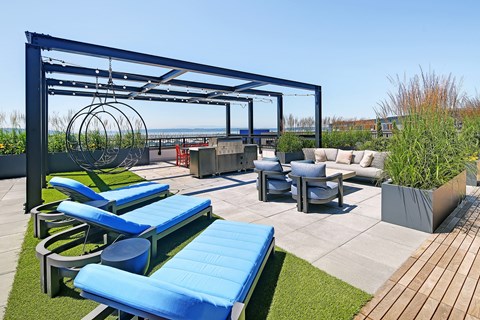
331,153
344,156
367,159
310,170
320,155
357,156
309,153
379,160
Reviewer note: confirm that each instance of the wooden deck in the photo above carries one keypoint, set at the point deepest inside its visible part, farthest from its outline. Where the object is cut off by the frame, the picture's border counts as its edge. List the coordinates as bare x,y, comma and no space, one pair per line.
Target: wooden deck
441,279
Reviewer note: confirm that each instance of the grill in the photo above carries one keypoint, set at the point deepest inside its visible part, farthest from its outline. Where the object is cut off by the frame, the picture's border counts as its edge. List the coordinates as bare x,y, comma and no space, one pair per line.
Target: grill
228,146
222,155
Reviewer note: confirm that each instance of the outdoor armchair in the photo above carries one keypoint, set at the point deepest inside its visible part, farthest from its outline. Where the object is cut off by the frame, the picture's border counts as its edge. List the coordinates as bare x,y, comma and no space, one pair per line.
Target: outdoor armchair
272,179
310,185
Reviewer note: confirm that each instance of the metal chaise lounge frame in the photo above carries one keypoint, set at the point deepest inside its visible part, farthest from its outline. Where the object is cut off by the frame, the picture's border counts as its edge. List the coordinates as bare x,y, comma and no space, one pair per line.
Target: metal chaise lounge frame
45,216
108,306
54,266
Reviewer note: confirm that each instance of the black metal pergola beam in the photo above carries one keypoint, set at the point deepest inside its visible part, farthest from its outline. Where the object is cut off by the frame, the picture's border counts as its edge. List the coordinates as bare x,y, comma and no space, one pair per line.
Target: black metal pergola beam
140,91
48,42
90,72
172,74
110,95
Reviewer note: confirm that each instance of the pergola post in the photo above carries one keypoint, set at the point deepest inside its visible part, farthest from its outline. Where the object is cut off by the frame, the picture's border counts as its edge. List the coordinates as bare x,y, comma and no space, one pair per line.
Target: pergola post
318,116
44,110
33,121
250,121
279,115
228,120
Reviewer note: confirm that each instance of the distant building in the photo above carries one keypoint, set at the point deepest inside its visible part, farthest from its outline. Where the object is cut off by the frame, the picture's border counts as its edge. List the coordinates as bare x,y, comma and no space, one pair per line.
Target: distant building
366,124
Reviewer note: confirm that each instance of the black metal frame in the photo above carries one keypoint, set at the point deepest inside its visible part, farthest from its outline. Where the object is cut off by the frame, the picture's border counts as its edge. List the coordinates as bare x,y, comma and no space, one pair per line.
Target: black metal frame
38,86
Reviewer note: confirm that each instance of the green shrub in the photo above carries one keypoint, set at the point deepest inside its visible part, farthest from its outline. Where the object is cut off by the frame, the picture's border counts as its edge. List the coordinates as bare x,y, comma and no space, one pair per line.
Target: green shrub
12,141
377,144
345,139
308,143
289,142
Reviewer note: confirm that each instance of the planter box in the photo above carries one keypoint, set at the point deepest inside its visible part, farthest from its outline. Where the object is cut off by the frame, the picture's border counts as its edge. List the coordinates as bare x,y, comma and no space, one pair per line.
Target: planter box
61,162
473,173
13,166
287,157
419,209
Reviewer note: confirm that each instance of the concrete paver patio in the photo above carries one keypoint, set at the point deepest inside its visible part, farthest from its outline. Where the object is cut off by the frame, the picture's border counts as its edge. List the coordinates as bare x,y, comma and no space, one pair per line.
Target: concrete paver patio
350,243
13,224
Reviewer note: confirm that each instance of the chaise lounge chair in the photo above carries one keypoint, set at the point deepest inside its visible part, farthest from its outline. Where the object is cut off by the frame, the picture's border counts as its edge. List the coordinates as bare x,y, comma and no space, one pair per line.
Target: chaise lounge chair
213,277
112,200
153,222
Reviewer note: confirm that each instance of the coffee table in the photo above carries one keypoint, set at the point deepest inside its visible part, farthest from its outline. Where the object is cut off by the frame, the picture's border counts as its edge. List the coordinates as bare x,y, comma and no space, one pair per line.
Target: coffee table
346,174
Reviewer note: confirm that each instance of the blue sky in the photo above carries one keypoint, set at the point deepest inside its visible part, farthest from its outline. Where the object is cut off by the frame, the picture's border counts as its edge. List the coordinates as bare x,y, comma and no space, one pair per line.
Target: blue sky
347,47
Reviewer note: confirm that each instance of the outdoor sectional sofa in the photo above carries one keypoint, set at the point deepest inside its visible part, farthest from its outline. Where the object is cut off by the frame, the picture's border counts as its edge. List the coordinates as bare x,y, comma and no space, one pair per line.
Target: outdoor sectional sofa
373,171
213,277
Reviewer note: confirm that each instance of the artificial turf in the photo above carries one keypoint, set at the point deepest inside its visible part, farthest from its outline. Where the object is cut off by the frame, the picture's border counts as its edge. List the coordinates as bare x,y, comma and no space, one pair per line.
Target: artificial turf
289,288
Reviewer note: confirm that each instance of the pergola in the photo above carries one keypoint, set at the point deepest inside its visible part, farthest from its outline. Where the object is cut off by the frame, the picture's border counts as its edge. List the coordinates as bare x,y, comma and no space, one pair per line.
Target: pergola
39,86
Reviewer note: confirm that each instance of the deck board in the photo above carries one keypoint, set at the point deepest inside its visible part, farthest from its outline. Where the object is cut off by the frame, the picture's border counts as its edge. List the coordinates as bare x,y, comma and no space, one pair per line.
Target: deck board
440,280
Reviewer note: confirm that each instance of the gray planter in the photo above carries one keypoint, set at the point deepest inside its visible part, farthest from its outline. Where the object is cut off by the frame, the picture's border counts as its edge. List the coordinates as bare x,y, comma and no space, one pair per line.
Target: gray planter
13,166
419,209
473,172
287,157
61,162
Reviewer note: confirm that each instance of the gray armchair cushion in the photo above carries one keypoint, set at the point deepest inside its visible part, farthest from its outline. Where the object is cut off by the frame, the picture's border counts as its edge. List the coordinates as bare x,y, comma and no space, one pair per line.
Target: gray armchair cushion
267,165
310,170
379,160
278,185
323,193
270,159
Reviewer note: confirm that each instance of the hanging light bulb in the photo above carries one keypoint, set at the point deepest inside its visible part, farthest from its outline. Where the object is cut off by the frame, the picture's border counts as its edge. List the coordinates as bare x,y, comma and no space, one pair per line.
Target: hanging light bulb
64,64
97,71
60,82
124,87
74,83
125,77
149,81
73,93
86,87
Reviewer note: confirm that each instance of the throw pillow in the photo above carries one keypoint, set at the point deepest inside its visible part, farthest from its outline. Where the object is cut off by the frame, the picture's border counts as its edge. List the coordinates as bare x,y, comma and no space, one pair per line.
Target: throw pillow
344,157
320,155
357,156
379,160
366,160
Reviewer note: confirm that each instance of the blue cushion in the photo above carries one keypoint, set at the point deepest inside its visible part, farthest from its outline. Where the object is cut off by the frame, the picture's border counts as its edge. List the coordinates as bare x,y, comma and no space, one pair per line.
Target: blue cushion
154,296
303,161
310,170
222,261
168,212
278,185
270,159
162,214
101,218
75,190
134,192
267,165
323,193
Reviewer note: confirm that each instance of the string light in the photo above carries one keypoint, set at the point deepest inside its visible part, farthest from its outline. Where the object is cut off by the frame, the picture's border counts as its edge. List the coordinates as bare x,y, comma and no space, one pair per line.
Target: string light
125,77
73,93
97,71
60,82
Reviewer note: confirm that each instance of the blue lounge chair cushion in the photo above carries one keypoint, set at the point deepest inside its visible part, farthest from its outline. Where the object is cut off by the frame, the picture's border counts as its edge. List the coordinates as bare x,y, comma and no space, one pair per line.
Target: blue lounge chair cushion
311,170
80,192
270,159
162,214
154,296
134,192
268,165
99,217
202,281
222,261
75,190
168,212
